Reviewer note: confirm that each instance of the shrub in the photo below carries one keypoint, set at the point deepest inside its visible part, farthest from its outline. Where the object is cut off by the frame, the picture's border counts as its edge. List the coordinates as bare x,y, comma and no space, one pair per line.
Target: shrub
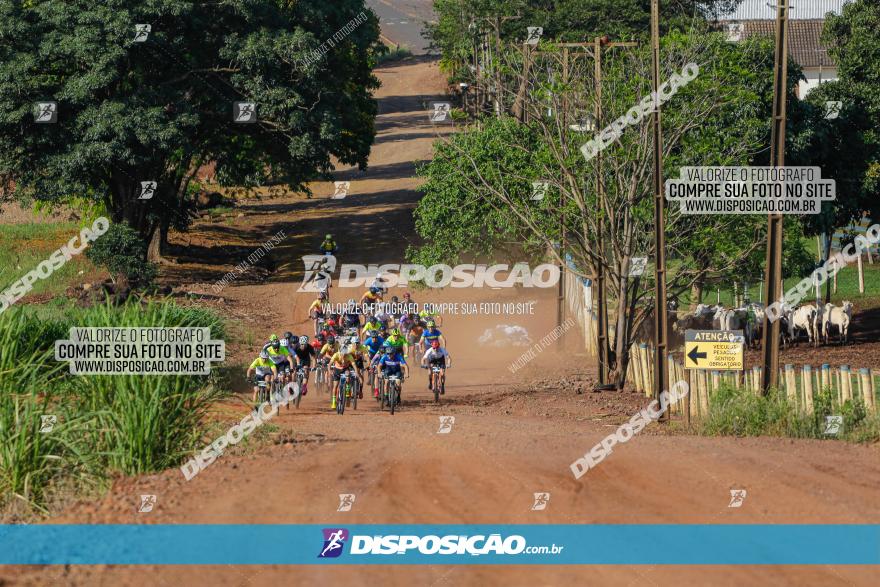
122,252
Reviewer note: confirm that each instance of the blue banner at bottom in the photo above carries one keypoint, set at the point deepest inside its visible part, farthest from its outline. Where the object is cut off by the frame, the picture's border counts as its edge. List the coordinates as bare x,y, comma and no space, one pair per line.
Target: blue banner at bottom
482,544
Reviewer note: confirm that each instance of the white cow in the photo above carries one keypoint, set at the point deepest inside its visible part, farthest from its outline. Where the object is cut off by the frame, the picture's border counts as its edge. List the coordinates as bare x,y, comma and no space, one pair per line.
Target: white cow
838,317
804,318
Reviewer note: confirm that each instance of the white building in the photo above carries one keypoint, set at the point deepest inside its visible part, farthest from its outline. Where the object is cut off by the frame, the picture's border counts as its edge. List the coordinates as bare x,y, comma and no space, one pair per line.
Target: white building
807,18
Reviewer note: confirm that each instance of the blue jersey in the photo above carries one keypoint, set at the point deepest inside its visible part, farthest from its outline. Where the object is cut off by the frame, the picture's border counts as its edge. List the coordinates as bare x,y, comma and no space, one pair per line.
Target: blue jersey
375,345
390,364
431,335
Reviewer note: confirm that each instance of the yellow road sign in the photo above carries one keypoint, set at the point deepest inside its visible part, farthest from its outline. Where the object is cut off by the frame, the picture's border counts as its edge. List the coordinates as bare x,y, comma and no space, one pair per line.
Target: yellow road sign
716,350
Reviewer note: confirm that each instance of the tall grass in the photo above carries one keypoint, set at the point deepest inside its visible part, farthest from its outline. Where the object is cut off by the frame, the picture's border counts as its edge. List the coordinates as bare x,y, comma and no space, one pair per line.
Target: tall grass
129,423
740,412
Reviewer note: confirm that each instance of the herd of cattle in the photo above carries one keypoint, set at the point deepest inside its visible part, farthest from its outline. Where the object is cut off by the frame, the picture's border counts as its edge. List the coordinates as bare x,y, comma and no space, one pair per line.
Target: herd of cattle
817,323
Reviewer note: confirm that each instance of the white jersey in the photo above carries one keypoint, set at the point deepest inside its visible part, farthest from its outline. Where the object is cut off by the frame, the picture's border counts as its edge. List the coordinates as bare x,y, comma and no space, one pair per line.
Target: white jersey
433,354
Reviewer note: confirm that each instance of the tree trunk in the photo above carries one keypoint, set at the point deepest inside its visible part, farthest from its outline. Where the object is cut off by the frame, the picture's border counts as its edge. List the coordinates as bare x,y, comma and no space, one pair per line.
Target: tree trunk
621,336
697,293
158,243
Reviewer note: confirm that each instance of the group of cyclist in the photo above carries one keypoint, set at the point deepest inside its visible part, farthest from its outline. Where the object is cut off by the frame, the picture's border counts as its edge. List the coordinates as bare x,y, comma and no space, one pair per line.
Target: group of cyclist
366,336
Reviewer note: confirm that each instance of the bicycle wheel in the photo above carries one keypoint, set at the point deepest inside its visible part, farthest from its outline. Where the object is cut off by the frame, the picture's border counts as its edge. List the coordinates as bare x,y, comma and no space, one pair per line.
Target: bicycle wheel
340,399
393,398
435,385
354,394
299,388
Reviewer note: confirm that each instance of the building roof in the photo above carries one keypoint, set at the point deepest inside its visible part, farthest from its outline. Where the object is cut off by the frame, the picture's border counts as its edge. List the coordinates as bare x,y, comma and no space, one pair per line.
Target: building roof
798,10
803,39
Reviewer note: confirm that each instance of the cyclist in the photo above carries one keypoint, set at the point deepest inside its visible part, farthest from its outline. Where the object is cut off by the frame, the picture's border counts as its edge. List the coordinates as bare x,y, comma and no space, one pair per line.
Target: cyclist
279,353
396,340
339,362
380,284
373,344
316,310
303,354
361,360
333,325
431,334
371,296
437,356
265,370
394,308
351,318
409,302
391,362
328,247
318,343
384,316
414,336
372,325
329,348
429,314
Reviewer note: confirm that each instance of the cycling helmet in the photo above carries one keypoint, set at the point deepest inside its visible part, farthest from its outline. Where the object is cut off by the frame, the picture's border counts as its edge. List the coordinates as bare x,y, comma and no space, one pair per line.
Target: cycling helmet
331,322
407,295
389,350
328,237
387,344
322,295
284,342
273,338
351,301
374,290
264,355
320,337
395,332
374,334
288,335
275,344
435,344
430,324
303,340
331,339
394,299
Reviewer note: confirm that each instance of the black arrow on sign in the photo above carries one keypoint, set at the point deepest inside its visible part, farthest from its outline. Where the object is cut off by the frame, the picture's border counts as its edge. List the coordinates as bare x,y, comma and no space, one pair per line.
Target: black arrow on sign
694,355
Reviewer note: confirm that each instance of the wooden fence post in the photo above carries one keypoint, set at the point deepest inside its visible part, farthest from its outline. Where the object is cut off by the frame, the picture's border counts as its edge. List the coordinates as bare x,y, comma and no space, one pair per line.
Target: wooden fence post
845,384
704,393
867,390
826,377
790,385
808,389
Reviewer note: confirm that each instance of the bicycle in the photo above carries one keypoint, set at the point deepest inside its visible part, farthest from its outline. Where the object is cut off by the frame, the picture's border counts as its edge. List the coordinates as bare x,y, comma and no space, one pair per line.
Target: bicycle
352,386
437,381
392,389
263,394
300,381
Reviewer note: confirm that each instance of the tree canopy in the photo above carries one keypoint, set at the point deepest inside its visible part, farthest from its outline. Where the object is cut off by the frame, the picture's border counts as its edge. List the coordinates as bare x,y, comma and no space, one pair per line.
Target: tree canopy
132,108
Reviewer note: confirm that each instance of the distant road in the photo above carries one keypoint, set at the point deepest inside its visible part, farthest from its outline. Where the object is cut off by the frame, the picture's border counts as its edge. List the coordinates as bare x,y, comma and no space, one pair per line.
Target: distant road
402,21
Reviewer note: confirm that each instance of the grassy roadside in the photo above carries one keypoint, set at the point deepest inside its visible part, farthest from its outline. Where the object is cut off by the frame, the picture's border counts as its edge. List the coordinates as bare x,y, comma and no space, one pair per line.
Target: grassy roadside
24,246
104,425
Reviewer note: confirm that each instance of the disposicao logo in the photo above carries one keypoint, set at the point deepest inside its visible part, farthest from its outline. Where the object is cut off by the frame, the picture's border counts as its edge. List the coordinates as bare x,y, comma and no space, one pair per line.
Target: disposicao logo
334,541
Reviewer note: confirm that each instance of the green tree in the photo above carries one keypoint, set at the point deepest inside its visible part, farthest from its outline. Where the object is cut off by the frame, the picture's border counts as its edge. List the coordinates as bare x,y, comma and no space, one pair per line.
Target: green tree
133,110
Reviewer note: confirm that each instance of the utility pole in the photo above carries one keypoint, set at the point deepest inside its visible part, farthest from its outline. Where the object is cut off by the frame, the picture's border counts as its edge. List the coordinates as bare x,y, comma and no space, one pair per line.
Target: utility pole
773,268
661,365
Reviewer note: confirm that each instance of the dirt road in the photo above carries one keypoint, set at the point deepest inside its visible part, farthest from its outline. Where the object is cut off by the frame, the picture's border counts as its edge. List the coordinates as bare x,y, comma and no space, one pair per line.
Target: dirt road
508,441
